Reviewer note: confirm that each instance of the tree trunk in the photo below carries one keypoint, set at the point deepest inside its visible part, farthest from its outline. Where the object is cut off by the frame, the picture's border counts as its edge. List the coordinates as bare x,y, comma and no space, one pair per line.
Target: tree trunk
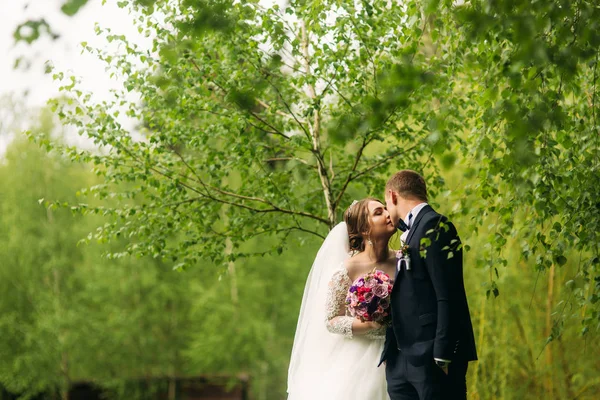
64,357
549,305
232,275
315,133
172,395
566,370
504,361
473,390
264,371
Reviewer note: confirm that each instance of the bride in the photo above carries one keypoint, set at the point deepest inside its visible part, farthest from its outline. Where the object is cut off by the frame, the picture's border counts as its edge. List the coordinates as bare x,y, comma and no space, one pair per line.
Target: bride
335,356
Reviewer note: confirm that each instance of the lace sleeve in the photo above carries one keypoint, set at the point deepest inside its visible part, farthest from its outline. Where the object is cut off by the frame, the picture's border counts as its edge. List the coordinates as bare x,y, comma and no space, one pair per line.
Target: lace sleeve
335,306
377,333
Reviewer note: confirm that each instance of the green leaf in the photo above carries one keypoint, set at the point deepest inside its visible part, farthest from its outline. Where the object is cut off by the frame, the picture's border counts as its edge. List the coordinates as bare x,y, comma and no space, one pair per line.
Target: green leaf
561,260
448,160
71,7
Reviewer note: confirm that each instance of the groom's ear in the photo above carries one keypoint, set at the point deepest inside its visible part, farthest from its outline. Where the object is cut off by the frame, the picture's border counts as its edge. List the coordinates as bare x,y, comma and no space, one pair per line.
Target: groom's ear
393,196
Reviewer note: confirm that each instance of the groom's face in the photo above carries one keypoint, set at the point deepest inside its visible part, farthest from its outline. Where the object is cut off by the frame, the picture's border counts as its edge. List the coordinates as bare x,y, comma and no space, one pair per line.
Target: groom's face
391,202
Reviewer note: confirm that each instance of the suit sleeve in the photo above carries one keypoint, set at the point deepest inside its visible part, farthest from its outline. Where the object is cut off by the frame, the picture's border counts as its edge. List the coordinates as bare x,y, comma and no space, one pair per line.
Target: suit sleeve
439,240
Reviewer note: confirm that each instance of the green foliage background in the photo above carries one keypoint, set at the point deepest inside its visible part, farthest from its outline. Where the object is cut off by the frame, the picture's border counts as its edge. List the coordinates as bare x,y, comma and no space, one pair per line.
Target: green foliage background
68,314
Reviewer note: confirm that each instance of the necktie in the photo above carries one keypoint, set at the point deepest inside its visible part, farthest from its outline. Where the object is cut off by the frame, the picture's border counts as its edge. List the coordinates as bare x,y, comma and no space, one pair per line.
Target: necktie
409,225
401,226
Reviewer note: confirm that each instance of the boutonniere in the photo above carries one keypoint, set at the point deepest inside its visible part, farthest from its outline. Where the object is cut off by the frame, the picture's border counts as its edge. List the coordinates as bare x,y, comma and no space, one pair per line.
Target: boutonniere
402,254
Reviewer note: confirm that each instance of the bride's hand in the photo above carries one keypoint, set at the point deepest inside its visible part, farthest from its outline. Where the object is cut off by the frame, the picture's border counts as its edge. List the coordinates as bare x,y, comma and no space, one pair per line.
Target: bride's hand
375,325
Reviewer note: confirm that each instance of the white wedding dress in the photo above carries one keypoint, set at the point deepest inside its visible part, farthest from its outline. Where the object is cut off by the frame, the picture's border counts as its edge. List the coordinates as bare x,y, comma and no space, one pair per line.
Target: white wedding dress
328,362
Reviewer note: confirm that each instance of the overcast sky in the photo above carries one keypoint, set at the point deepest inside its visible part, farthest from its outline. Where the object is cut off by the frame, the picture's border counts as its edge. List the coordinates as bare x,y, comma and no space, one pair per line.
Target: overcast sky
65,53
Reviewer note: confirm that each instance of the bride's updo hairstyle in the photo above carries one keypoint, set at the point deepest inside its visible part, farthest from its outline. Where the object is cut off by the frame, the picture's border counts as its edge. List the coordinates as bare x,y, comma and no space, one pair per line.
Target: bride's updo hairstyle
358,222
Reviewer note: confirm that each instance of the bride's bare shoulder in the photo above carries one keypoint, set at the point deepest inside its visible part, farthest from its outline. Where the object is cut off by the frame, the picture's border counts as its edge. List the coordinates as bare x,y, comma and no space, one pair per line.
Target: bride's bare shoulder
355,266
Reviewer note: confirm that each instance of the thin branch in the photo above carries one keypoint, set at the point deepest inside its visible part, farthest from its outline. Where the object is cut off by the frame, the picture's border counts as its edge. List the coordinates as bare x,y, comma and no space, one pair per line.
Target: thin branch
287,106
275,130
384,160
279,112
336,90
330,81
260,128
291,228
212,112
274,209
208,195
242,197
385,121
354,166
594,111
419,39
368,53
187,165
178,203
290,159
534,287
331,170
291,66
366,141
285,103
277,189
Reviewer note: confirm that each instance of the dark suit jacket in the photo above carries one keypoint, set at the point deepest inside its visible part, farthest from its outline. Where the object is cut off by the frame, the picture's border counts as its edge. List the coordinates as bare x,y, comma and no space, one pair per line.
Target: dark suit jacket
430,314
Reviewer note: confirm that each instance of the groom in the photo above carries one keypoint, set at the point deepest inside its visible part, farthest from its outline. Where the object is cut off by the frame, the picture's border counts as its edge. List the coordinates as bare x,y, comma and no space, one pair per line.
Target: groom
430,342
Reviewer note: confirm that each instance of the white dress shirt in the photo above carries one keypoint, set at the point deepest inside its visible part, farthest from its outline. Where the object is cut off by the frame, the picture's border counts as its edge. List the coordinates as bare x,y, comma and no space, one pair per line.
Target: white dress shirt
415,211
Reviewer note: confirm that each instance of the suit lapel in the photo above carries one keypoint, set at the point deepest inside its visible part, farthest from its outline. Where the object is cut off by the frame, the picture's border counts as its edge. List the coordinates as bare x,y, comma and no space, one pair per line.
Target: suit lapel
415,224
427,209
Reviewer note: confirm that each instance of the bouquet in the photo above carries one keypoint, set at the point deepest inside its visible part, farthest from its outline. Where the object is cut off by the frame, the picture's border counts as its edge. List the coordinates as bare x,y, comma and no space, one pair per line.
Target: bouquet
369,297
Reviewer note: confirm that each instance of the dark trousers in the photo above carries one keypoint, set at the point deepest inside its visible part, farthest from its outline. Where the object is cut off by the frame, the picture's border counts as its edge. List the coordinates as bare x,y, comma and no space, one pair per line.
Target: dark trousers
426,382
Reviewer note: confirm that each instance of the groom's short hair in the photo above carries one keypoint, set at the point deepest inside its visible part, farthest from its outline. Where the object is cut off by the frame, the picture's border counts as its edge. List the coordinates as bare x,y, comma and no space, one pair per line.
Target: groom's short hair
408,184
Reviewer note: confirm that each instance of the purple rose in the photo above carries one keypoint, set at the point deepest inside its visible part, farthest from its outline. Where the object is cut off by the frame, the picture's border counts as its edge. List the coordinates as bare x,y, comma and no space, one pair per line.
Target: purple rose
380,291
384,303
370,283
368,297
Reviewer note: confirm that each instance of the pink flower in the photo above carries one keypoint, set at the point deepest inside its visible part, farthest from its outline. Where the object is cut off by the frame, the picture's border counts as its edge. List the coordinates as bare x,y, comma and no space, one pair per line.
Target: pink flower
384,303
381,291
373,287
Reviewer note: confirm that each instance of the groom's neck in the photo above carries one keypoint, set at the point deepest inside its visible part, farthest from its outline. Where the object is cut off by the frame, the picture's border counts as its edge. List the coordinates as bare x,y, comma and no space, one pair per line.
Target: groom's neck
407,206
